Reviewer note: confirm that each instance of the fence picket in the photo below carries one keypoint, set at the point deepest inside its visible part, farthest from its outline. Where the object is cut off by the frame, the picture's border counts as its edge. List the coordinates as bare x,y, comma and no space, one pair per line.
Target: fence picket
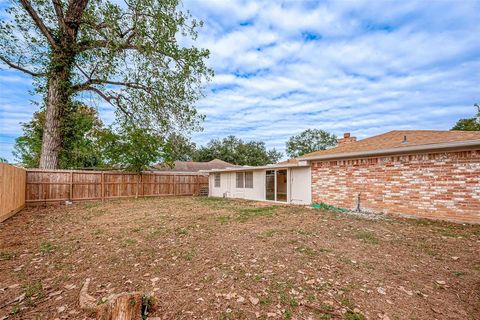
75,185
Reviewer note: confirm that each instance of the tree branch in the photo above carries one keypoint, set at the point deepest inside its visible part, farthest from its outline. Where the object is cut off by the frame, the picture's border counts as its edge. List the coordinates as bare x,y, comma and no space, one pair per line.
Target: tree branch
14,66
59,11
108,98
90,82
39,22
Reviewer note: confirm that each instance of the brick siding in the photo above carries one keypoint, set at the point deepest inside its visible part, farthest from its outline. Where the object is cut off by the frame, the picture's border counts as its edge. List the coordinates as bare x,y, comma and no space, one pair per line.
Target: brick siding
434,185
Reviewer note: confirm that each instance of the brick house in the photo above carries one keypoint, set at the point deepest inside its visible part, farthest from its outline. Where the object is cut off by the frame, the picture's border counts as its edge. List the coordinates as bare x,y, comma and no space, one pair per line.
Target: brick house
423,173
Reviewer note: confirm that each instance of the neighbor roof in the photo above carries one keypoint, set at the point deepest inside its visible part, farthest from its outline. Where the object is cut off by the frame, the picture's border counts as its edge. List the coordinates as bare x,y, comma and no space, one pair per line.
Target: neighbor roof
399,141
192,166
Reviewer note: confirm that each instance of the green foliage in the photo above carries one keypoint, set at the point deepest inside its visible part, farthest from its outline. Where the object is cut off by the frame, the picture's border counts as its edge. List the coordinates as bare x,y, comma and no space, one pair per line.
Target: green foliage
469,124
182,149
308,141
236,151
133,148
325,206
80,148
137,57
3,160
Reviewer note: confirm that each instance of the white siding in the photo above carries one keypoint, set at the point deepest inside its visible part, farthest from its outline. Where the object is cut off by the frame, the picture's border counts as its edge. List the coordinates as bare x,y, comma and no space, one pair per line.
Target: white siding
298,189
228,186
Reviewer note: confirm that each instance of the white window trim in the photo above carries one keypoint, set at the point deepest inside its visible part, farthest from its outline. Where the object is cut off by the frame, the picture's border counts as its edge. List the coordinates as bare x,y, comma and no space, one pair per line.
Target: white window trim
245,179
215,180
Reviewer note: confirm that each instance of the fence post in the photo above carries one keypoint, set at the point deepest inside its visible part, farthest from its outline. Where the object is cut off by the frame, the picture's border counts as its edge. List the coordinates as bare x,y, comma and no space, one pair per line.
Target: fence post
197,193
174,184
103,186
71,186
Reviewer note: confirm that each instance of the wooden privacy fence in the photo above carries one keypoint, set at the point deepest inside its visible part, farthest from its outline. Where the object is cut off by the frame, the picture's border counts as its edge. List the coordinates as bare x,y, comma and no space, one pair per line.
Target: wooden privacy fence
12,190
74,185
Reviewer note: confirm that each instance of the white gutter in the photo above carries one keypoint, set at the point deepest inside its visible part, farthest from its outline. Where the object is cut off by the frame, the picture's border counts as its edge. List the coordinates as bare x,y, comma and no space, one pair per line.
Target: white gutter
247,168
423,147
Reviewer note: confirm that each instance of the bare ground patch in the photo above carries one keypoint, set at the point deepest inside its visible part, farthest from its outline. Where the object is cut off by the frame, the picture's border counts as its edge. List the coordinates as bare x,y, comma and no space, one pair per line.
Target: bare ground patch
212,258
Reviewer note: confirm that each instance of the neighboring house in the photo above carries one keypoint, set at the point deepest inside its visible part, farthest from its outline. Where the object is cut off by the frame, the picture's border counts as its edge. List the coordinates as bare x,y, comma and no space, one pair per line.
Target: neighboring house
426,173
193,167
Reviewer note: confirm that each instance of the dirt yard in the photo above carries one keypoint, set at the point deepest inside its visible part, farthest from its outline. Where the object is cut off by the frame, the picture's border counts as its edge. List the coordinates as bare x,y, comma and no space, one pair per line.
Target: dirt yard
206,258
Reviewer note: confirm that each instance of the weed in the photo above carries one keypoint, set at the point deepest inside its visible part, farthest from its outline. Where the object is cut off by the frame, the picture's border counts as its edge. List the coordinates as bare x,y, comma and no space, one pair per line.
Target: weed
5,255
367,236
98,231
155,233
33,290
287,315
130,242
245,214
448,233
350,315
288,300
269,233
182,232
307,251
223,219
15,310
187,255
89,205
46,247
458,273
265,300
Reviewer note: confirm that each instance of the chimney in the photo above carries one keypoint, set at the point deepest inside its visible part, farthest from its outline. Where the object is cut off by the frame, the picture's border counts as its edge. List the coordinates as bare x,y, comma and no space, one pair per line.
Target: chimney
346,139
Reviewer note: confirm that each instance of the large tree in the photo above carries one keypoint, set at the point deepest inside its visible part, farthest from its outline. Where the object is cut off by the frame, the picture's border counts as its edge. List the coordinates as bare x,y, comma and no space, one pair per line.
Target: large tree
309,140
237,151
469,124
80,148
127,54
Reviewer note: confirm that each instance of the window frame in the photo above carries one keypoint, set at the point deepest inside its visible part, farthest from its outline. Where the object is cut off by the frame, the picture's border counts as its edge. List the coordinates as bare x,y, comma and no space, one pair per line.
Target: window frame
242,180
250,185
215,176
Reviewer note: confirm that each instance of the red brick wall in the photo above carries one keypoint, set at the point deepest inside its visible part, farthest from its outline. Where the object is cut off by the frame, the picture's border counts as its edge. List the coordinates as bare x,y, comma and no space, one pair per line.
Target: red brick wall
437,185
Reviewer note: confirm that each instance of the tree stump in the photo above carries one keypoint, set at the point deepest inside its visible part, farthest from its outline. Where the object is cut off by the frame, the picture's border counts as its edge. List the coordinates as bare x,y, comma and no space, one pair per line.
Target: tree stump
123,306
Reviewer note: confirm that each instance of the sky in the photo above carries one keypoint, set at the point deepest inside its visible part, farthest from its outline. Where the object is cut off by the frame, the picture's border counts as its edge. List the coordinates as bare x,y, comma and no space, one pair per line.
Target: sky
364,67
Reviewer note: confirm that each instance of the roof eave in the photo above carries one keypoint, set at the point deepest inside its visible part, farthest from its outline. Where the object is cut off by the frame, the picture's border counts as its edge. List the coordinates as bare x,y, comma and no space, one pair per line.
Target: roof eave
392,151
295,165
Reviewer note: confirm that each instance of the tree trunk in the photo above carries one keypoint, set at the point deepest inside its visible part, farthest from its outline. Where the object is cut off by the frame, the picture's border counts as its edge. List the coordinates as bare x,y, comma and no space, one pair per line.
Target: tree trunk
58,95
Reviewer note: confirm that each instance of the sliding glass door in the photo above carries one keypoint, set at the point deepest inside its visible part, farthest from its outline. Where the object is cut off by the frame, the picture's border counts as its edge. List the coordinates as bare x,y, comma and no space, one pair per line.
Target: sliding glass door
282,185
276,185
270,185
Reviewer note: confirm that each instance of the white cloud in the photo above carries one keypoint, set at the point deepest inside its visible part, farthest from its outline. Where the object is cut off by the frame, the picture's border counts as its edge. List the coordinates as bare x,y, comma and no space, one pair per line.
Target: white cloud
361,66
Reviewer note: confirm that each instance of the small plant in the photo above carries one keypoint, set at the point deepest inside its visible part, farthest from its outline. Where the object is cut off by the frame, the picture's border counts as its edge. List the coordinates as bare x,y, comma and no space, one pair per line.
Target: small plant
307,251
223,219
15,310
350,315
245,214
269,233
46,247
367,236
187,255
33,291
458,273
182,231
5,255
131,242
328,207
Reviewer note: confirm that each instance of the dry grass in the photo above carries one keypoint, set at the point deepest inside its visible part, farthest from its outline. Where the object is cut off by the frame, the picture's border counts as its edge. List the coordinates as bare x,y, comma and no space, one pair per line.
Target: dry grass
210,258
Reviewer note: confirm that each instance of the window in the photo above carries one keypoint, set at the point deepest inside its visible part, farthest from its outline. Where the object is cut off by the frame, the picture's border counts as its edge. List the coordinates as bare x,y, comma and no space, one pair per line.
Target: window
217,180
249,179
240,181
